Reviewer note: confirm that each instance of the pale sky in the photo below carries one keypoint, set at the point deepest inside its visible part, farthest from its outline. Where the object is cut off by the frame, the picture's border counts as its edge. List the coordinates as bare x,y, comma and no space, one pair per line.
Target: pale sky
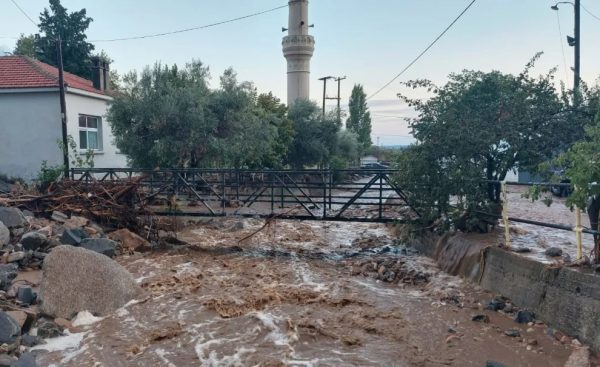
367,41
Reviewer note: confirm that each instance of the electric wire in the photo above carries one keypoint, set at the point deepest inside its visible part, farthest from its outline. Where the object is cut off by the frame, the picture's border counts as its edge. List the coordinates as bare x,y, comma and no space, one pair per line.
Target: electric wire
192,28
424,51
24,13
589,12
562,47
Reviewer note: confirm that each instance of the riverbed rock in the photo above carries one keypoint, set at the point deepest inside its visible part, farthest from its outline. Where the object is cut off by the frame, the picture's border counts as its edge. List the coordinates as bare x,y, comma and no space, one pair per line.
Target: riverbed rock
496,304
26,360
553,252
480,318
73,236
102,246
8,272
76,279
7,360
33,241
9,329
493,364
12,217
4,235
26,295
129,240
31,340
524,317
48,329
513,333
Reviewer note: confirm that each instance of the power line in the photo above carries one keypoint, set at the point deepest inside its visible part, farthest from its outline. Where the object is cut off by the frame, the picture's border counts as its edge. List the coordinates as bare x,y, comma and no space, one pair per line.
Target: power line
589,12
25,14
562,46
424,51
192,28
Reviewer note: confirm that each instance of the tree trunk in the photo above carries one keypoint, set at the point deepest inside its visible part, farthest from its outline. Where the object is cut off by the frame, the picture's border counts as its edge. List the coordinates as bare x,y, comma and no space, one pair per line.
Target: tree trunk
593,210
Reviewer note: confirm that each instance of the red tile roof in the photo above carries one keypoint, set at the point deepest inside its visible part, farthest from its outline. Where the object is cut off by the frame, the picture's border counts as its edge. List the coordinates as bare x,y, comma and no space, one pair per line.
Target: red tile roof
25,72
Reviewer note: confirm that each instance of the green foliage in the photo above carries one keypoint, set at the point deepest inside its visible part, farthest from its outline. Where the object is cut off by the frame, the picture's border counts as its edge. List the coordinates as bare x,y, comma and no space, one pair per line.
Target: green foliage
315,139
359,120
76,159
169,117
48,175
25,46
70,27
477,128
348,147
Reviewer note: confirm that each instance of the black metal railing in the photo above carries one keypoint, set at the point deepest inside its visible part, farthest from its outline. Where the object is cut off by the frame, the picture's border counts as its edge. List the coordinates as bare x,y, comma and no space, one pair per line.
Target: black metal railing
367,195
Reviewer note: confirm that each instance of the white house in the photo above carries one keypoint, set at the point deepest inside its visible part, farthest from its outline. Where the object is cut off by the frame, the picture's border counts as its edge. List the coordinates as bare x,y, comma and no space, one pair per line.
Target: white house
30,119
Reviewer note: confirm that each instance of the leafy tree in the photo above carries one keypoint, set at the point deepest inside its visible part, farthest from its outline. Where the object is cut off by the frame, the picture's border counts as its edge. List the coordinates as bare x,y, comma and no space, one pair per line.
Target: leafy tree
275,113
161,117
25,46
359,120
474,130
315,135
169,117
70,27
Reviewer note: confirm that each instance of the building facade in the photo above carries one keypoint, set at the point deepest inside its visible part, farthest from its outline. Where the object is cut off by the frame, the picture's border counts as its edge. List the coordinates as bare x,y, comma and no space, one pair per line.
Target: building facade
30,118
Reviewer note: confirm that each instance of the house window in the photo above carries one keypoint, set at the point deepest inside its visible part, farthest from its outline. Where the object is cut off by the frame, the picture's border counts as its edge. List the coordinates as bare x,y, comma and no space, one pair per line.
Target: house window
90,132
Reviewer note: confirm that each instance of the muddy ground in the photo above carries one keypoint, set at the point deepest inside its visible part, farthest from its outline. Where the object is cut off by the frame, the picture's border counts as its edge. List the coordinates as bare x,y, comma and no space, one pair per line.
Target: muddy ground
301,294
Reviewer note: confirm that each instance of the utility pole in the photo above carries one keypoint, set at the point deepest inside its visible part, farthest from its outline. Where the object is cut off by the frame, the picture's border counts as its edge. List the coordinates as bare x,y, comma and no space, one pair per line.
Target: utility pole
577,45
324,79
63,108
339,113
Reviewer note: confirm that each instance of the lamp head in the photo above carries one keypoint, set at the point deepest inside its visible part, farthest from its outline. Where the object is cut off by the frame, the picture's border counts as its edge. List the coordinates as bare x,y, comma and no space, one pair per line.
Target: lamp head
554,7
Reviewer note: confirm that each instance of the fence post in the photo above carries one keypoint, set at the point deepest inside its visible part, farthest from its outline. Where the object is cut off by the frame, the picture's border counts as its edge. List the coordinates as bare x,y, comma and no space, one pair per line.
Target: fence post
578,233
505,215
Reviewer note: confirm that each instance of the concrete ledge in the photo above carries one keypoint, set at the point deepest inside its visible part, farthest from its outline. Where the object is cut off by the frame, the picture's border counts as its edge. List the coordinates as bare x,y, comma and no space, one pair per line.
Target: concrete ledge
567,299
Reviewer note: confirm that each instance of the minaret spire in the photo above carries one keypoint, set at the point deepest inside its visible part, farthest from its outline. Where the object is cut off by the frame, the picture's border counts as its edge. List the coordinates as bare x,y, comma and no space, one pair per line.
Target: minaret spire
298,48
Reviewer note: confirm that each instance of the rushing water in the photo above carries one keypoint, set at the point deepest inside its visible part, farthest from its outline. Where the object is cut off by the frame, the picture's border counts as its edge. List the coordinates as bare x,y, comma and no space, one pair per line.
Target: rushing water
296,294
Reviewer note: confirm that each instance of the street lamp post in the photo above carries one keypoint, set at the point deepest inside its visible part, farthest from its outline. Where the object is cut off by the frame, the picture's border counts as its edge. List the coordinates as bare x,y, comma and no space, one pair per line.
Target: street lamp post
574,41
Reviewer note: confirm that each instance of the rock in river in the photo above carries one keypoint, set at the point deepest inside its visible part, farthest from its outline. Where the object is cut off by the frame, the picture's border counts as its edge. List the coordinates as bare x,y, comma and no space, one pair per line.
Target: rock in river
75,279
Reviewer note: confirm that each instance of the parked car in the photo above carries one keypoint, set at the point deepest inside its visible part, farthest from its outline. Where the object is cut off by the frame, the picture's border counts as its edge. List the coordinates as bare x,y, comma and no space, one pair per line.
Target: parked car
562,190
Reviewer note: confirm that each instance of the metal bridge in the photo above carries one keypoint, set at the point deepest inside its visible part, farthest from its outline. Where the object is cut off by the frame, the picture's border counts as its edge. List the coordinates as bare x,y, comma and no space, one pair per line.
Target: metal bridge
361,195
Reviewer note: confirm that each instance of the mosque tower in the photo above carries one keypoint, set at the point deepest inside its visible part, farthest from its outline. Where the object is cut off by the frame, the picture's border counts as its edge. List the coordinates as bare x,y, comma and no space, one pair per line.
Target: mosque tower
298,48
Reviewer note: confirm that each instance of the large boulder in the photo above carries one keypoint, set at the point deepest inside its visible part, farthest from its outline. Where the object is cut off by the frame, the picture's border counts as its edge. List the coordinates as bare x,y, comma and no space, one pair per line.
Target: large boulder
12,217
103,246
4,235
75,279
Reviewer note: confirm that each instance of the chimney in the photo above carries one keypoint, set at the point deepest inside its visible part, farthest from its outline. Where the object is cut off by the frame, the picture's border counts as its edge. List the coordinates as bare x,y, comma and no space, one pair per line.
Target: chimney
100,71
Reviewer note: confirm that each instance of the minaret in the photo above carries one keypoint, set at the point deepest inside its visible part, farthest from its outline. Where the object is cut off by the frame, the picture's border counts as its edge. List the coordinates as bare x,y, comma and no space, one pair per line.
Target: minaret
298,47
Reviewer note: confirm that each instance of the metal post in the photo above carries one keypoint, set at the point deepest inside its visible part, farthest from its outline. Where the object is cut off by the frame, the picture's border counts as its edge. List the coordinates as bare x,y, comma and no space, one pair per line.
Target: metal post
505,215
578,233
339,98
324,79
577,69
272,193
223,191
63,108
380,196
330,187
325,177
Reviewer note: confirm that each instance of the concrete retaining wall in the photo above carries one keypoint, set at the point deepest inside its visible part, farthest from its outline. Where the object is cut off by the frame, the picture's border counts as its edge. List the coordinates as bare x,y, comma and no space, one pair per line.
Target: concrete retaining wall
567,299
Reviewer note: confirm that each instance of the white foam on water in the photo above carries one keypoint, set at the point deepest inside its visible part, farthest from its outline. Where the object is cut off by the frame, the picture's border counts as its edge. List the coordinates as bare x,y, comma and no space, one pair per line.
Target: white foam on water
305,275
161,353
210,358
275,334
85,318
69,341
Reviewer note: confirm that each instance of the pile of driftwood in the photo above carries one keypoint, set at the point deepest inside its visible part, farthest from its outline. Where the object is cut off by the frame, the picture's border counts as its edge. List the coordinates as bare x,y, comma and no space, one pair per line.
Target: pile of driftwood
115,203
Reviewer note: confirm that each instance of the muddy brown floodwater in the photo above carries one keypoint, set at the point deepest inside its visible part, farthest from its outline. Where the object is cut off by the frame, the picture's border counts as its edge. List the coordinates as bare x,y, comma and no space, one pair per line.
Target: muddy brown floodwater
300,294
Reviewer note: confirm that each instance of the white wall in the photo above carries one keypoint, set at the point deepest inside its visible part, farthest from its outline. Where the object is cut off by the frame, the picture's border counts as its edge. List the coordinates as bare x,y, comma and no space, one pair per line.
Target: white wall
29,128
81,104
